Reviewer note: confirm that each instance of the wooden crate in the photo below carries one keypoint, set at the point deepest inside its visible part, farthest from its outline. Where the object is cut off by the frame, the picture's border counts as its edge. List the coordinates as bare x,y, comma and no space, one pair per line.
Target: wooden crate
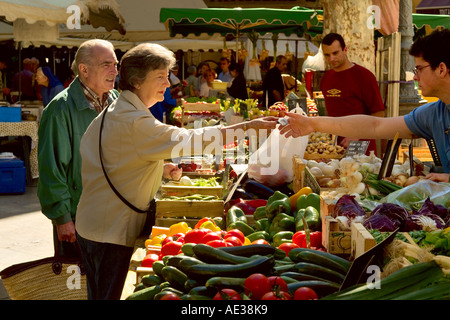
350,243
180,191
169,212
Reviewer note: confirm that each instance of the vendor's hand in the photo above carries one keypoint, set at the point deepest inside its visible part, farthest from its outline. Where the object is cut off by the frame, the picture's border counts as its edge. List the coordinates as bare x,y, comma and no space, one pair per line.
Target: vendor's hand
171,171
66,232
438,177
346,141
299,125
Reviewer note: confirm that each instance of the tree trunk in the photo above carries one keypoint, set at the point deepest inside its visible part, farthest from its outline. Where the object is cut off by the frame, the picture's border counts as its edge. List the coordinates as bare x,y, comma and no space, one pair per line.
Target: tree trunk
350,19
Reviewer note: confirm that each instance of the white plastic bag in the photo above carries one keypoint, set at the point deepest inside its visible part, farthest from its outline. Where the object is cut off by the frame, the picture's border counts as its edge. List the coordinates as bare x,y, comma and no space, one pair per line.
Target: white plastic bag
271,164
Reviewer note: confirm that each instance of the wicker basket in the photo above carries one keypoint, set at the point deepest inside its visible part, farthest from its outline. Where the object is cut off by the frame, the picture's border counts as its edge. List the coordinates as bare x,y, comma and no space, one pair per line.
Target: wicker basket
45,279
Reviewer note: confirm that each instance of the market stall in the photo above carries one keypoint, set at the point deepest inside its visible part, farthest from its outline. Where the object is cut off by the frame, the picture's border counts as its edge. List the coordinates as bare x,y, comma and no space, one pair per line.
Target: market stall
318,231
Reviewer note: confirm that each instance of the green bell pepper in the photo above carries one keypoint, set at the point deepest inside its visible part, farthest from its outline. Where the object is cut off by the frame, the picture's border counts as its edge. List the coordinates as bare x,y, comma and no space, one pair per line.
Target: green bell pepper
259,213
258,235
312,218
235,214
241,225
312,199
262,225
282,237
278,202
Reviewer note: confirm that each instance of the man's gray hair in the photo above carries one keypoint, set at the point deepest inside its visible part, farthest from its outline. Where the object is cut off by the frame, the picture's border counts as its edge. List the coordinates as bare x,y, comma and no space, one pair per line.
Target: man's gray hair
84,53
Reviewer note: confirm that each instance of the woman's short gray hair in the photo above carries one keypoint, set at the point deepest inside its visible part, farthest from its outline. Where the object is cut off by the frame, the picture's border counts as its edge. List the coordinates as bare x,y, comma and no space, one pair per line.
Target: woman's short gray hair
85,52
137,62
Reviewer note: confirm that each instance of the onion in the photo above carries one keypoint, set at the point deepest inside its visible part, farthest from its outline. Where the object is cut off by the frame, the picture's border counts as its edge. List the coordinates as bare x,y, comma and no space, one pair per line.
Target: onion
411,180
316,172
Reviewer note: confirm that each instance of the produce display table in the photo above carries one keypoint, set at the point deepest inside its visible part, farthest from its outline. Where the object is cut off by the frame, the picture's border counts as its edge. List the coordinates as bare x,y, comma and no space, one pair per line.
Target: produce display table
136,259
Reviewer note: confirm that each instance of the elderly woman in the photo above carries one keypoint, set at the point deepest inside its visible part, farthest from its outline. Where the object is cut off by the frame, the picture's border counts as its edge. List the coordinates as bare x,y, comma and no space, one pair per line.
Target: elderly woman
133,147
51,85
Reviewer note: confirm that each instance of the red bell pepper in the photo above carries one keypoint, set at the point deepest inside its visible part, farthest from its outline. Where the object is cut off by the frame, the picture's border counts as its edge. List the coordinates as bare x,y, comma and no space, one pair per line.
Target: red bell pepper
315,239
171,248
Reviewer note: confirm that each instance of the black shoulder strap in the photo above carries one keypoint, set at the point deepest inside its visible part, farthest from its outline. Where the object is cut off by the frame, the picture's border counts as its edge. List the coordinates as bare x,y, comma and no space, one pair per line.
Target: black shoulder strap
104,171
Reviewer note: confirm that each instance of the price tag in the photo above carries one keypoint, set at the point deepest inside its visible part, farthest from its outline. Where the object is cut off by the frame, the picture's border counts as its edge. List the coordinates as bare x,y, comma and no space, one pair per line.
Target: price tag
310,181
357,147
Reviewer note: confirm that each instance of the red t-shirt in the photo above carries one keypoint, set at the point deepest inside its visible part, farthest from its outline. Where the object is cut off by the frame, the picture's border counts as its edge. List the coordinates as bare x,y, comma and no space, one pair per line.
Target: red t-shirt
352,91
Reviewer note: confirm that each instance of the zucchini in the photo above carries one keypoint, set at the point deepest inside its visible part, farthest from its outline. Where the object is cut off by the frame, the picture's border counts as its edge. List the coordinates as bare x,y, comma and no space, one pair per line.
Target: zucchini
191,283
318,271
150,280
174,276
139,286
301,276
194,297
209,254
203,291
188,261
293,254
175,260
280,269
157,267
203,272
187,249
322,288
250,250
226,282
145,294
312,256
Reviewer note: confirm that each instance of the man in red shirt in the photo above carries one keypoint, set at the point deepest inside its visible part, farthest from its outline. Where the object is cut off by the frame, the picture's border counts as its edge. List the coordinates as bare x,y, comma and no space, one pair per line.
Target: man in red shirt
347,87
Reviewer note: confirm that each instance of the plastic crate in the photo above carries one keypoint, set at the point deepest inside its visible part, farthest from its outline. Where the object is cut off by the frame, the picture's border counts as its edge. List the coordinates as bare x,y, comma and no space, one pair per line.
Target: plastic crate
10,114
12,176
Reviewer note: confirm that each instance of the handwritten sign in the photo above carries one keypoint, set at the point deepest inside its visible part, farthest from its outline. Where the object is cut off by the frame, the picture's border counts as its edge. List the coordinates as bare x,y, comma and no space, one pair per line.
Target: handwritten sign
357,148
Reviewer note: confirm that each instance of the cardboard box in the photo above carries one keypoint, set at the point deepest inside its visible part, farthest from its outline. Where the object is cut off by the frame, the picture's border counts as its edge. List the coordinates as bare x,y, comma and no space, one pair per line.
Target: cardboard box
10,114
12,176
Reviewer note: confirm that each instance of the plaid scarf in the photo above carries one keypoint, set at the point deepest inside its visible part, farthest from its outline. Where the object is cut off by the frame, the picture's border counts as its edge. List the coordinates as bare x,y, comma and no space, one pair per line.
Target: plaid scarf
96,103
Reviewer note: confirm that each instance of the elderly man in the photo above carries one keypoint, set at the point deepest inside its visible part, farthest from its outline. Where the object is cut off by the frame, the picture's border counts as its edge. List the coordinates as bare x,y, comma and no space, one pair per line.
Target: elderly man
63,123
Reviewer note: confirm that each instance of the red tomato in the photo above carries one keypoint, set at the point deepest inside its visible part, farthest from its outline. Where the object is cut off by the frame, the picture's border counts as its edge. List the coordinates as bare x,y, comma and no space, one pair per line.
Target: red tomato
195,235
172,248
278,284
305,293
170,296
256,285
260,241
227,294
233,241
274,295
235,233
210,236
149,259
217,243
287,246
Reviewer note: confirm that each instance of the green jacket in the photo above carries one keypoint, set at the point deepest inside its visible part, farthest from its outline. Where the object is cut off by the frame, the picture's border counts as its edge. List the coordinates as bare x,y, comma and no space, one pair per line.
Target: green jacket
63,123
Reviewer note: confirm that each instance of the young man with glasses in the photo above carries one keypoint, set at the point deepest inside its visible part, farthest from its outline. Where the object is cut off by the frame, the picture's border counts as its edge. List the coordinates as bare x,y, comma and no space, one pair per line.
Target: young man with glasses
430,121
225,75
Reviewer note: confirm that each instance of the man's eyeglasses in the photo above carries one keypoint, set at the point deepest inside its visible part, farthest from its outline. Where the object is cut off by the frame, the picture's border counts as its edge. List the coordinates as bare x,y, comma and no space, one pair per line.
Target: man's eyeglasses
418,69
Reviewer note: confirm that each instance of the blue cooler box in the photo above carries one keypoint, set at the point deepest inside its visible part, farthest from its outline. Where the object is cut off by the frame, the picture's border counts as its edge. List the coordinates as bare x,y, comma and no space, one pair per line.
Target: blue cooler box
10,114
12,176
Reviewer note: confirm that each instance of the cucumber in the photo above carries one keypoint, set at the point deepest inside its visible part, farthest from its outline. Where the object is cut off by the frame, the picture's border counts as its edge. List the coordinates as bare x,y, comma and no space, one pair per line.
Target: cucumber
213,255
344,263
145,294
150,280
139,286
322,288
157,267
280,269
312,256
226,282
175,260
250,250
319,271
175,277
203,272
191,283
